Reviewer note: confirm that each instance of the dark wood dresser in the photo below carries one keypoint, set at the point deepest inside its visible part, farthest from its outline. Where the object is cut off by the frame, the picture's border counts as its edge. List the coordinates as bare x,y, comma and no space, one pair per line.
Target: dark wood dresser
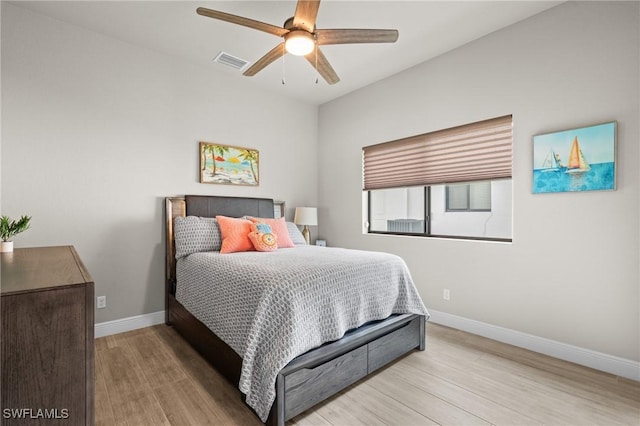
47,338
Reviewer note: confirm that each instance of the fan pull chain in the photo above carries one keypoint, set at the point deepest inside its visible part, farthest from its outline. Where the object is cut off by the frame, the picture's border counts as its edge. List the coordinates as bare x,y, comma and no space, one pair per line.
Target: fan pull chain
284,53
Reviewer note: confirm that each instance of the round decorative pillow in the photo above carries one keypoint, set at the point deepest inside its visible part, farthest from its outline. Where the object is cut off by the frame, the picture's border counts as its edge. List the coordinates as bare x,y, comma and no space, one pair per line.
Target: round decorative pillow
262,238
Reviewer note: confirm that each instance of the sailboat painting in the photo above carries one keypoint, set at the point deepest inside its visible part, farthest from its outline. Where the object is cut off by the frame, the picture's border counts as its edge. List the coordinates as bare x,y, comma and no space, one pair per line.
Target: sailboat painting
552,162
581,159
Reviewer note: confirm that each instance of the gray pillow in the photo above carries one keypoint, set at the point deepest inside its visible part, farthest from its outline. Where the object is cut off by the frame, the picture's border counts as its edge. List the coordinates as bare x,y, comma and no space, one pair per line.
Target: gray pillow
194,234
295,234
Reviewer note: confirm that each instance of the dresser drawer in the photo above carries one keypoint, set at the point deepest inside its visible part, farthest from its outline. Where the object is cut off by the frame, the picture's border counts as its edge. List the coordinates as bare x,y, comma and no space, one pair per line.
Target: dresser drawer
305,388
391,346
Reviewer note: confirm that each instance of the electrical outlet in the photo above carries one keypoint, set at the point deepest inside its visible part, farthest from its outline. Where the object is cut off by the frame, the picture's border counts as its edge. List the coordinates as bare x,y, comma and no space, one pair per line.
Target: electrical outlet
446,295
101,302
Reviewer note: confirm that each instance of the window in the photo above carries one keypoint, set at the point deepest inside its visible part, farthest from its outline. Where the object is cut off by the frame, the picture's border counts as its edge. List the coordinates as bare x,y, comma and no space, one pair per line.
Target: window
423,211
451,183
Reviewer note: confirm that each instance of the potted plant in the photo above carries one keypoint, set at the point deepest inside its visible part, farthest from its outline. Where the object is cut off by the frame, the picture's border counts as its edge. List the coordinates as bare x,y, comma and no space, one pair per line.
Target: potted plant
9,228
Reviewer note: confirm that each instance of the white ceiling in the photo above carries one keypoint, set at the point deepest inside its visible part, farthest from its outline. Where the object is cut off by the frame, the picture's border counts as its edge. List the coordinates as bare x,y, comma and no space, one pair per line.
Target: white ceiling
427,29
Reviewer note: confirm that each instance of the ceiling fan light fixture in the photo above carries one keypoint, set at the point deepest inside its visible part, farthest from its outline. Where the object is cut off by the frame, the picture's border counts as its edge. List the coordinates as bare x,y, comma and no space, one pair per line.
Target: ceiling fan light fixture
299,42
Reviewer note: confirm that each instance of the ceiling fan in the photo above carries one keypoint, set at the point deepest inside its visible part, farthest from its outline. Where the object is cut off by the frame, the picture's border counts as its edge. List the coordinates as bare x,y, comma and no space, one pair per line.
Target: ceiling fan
301,37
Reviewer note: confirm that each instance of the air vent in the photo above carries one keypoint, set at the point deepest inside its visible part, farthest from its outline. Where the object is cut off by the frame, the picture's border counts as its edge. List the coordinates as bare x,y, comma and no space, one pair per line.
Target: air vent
230,60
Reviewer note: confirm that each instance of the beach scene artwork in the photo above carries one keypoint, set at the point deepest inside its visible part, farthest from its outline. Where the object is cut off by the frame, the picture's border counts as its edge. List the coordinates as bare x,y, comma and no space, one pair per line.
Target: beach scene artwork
580,159
227,164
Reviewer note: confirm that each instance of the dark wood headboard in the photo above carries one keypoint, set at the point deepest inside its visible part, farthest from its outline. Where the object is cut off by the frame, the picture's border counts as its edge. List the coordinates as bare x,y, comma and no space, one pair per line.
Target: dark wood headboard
210,206
204,206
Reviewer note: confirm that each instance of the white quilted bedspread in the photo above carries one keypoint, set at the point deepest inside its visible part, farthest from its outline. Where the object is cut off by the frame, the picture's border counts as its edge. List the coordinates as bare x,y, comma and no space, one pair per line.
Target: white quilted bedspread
272,307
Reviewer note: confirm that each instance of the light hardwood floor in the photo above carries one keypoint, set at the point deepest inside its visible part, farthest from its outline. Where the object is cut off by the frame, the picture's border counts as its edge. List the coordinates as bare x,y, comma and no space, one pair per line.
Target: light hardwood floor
153,377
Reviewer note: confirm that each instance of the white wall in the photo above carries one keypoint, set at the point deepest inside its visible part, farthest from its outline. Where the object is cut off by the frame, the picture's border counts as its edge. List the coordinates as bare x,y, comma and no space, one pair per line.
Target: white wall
571,274
496,223
95,132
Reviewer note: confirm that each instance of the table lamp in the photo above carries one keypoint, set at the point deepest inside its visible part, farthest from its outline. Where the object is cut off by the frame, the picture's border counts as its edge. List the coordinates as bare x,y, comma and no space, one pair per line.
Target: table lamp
306,216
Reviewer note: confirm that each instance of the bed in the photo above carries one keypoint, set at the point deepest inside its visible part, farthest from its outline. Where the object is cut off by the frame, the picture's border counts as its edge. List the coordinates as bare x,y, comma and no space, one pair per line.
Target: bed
281,381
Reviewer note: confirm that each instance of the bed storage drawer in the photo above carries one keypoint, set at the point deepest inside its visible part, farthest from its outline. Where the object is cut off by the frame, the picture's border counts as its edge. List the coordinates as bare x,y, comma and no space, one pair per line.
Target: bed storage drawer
308,386
389,347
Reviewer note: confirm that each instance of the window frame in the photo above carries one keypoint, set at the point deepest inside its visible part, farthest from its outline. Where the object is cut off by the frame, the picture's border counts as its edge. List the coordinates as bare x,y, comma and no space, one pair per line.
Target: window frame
427,223
465,154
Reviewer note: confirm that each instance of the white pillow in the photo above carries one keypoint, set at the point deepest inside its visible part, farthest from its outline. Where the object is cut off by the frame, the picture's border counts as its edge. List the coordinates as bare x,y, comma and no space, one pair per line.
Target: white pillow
295,234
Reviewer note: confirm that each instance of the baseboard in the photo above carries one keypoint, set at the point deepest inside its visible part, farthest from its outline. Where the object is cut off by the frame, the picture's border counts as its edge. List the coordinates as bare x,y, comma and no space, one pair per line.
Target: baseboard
127,324
600,361
597,360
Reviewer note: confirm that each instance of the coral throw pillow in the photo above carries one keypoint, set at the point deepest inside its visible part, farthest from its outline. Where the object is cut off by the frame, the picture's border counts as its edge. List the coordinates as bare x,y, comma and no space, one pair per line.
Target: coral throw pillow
262,238
279,228
235,234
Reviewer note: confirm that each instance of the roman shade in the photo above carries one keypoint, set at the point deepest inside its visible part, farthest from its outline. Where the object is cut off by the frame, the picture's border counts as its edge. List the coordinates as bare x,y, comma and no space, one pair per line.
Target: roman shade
476,151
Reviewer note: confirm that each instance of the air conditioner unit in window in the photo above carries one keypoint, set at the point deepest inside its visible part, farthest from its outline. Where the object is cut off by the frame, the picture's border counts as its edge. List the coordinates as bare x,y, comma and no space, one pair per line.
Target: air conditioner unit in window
405,225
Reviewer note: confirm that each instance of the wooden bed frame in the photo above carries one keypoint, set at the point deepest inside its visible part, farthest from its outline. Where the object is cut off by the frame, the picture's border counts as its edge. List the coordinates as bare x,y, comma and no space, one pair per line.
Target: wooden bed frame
311,377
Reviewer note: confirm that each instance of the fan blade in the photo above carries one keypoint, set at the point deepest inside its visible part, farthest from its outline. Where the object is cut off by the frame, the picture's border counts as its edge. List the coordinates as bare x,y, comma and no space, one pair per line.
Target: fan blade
267,59
306,13
239,20
324,67
346,36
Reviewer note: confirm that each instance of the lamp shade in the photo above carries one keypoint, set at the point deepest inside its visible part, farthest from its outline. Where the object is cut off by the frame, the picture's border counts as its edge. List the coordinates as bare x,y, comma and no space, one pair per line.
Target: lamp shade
306,216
